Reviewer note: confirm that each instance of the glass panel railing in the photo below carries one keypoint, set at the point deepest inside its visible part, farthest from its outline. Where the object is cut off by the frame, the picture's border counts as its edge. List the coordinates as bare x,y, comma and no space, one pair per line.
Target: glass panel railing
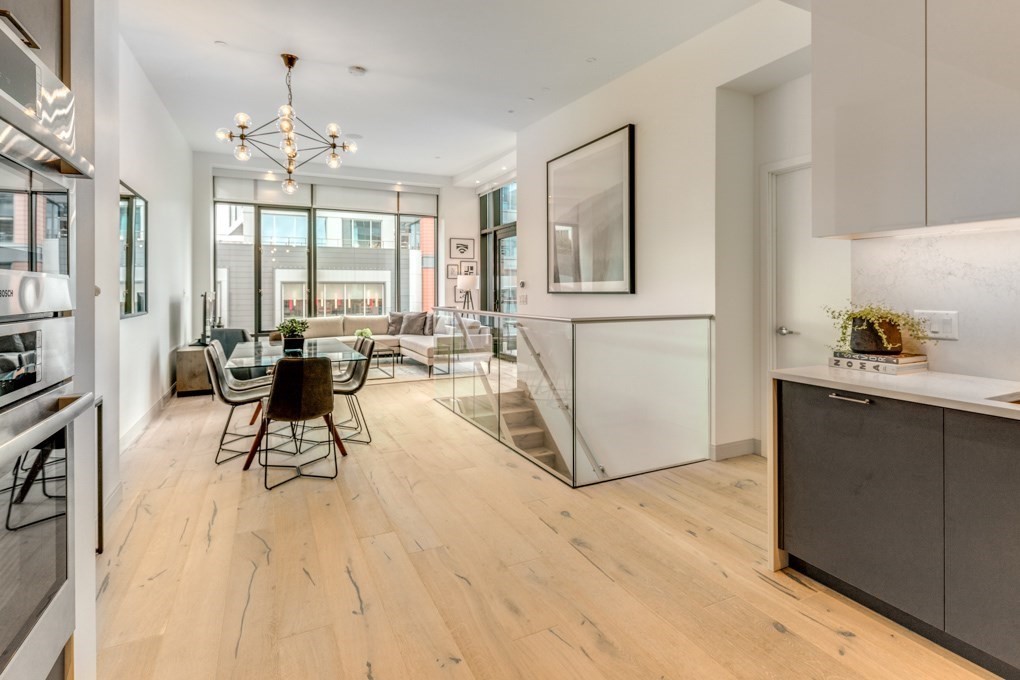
588,400
642,396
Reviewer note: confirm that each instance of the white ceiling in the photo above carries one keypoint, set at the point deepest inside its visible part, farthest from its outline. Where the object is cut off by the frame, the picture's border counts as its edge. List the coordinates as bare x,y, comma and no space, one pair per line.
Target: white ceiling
449,81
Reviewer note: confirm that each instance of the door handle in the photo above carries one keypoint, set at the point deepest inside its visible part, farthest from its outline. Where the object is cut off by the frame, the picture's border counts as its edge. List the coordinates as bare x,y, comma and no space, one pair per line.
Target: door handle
864,402
26,37
783,330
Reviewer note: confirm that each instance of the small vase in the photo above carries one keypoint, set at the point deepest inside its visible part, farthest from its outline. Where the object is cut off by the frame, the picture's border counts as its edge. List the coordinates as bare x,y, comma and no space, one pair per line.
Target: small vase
864,338
296,342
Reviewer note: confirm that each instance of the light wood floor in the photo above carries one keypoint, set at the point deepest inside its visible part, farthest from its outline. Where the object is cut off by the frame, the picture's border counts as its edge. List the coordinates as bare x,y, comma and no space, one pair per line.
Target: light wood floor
437,553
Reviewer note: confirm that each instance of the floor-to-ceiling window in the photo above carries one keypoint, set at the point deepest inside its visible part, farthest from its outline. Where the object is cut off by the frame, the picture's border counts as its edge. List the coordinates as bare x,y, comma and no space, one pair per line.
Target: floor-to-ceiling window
498,218
321,259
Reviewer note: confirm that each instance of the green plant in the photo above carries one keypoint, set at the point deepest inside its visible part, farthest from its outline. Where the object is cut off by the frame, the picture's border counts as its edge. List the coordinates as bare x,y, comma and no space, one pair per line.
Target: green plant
363,333
292,328
857,317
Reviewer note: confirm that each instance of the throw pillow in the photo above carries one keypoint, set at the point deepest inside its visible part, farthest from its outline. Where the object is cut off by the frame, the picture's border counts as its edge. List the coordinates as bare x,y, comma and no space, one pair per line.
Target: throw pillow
414,324
393,326
430,323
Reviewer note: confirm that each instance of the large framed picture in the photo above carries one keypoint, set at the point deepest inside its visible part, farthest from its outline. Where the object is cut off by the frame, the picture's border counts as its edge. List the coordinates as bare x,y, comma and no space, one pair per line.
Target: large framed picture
462,248
590,224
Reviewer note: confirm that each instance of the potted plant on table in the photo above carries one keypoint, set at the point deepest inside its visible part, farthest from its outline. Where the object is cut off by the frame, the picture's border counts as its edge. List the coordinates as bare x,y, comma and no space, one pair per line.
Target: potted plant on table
363,333
292,331
874,329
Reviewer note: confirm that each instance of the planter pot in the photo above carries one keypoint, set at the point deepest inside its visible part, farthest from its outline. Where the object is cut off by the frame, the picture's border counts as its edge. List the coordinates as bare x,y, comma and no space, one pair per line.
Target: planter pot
295,343
864,338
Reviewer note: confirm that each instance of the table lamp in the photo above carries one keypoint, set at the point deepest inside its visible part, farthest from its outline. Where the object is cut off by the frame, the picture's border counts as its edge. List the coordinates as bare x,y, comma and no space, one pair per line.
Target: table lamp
467,283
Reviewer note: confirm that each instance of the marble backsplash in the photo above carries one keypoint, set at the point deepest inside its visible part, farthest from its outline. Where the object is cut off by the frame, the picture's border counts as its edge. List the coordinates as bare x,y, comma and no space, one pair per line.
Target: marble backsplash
974,273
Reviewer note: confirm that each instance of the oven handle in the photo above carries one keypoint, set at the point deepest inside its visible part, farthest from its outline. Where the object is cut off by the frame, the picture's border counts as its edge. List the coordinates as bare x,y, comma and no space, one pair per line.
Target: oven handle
40,432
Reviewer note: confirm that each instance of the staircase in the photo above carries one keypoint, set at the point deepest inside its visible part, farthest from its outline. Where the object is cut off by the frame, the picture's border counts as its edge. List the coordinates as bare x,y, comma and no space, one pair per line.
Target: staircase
520,423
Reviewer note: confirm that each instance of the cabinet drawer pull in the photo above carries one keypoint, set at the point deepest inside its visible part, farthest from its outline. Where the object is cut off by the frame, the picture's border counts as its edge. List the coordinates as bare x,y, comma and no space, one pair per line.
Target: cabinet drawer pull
866,402
26,37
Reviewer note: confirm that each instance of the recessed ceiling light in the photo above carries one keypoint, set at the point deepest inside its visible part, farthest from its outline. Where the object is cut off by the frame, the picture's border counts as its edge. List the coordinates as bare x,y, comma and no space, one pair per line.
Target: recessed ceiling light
591,60
531,99
357,70
503,168
509,110
399,183
438,157
220,43
478,181
355,135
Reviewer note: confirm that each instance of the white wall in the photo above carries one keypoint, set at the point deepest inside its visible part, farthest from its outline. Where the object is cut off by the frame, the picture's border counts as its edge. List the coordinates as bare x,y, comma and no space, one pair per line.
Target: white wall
155,161
736,303
782,128
975,274
672,102
459,218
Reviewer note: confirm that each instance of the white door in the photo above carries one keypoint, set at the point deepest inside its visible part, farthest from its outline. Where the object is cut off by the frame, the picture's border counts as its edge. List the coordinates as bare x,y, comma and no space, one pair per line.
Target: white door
810,273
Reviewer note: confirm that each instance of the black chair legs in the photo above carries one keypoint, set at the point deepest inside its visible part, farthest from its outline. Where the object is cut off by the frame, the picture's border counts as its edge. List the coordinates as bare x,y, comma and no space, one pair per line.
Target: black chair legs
359,432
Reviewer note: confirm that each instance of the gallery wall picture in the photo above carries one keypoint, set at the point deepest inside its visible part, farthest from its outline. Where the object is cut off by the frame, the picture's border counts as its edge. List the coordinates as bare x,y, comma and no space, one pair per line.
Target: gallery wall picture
462,248
451,271
459,295
469,267
590,223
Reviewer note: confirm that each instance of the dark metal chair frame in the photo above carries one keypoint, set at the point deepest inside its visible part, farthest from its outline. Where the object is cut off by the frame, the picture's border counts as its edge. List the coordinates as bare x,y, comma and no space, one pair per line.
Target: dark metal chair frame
234,393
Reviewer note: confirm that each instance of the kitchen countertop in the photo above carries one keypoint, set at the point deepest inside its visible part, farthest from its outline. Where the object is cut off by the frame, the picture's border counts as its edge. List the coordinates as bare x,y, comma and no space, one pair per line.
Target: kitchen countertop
948,390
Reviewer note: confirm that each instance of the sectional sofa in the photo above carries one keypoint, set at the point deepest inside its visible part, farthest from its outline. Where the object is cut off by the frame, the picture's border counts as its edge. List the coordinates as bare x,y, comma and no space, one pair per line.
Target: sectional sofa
449,337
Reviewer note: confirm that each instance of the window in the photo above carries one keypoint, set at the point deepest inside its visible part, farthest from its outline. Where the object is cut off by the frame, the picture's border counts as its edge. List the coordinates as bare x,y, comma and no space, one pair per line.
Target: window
134,276
268,267
498,253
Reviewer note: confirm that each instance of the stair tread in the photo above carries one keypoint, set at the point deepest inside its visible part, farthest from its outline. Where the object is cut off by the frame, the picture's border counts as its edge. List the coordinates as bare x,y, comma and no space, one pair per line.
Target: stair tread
525,429
516,409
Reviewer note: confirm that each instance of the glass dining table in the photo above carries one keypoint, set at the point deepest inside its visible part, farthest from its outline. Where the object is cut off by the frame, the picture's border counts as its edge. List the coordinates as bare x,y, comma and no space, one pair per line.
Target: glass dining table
265,353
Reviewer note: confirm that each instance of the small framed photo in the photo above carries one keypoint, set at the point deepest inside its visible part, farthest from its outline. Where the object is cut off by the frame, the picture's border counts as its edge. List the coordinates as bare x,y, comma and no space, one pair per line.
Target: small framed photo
462,249
459,295
452,271
469,267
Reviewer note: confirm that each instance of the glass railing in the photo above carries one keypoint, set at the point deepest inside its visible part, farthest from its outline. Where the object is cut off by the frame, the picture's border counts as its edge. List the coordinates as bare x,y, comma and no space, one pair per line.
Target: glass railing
587,399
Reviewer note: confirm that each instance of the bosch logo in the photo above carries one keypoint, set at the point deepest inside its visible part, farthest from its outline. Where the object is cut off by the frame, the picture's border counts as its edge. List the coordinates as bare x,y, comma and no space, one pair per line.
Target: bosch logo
6,293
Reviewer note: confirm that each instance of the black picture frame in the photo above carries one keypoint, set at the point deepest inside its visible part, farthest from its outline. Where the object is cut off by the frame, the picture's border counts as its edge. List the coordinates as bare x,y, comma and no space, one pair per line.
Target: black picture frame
462,248
590,231
469,267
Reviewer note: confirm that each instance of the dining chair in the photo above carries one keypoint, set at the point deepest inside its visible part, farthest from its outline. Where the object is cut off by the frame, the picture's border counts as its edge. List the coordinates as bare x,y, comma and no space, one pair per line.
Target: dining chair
229,339
348,385
233,393
301,392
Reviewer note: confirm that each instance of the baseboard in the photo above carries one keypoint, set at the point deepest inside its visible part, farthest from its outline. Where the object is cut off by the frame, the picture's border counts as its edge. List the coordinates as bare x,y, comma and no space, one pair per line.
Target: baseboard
136,430
113,499
734,449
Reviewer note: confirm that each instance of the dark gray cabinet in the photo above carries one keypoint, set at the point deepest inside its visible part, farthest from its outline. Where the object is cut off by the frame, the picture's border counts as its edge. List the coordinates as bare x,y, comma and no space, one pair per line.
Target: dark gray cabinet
862,493
983,533
43,20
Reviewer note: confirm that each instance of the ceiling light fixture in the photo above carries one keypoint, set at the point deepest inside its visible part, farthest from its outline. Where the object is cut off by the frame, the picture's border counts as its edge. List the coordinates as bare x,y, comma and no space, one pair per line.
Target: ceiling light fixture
287,130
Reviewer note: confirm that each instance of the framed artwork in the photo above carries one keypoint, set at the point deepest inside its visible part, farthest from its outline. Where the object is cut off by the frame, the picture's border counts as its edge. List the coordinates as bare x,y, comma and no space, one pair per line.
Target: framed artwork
462,249
590,223
451,271
459,295
469,267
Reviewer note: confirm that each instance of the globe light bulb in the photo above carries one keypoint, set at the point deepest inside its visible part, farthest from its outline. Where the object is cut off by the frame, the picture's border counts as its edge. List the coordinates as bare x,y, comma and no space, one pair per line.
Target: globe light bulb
242,120
289,148
334,160
286,111
285,125
290,187
351,147
333,130
242,153
224,135
291,167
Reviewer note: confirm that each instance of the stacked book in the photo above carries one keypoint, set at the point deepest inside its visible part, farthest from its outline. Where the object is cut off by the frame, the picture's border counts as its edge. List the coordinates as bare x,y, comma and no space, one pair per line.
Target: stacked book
888,364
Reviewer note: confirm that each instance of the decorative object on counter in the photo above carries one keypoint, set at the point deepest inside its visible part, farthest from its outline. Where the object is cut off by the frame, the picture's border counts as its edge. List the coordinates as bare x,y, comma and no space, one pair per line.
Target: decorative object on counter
363,333
904,358
292,330
590,219
874,329
878,366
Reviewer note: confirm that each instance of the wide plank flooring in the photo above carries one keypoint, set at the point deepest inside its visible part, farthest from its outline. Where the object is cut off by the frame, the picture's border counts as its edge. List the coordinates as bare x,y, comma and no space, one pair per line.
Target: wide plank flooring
438,553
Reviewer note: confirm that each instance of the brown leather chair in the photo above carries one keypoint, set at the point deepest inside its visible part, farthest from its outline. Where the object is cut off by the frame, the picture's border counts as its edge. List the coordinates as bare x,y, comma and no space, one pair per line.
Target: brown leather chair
233,393
302,390
348,385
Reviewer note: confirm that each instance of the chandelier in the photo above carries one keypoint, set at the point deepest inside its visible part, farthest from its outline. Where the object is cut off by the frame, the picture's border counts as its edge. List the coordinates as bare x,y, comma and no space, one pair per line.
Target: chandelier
312,145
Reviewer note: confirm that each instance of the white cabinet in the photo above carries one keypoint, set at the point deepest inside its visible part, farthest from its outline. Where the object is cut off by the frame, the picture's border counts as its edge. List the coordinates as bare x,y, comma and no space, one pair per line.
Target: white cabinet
973,110
916,108
868,107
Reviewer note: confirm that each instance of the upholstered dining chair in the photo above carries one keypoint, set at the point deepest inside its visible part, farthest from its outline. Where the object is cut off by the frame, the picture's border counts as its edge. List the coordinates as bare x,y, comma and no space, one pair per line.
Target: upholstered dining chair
229,339
301,392
348,385
233,393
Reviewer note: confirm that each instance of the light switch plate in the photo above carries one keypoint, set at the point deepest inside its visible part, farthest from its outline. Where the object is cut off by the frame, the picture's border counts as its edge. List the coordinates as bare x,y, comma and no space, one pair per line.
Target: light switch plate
941,325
